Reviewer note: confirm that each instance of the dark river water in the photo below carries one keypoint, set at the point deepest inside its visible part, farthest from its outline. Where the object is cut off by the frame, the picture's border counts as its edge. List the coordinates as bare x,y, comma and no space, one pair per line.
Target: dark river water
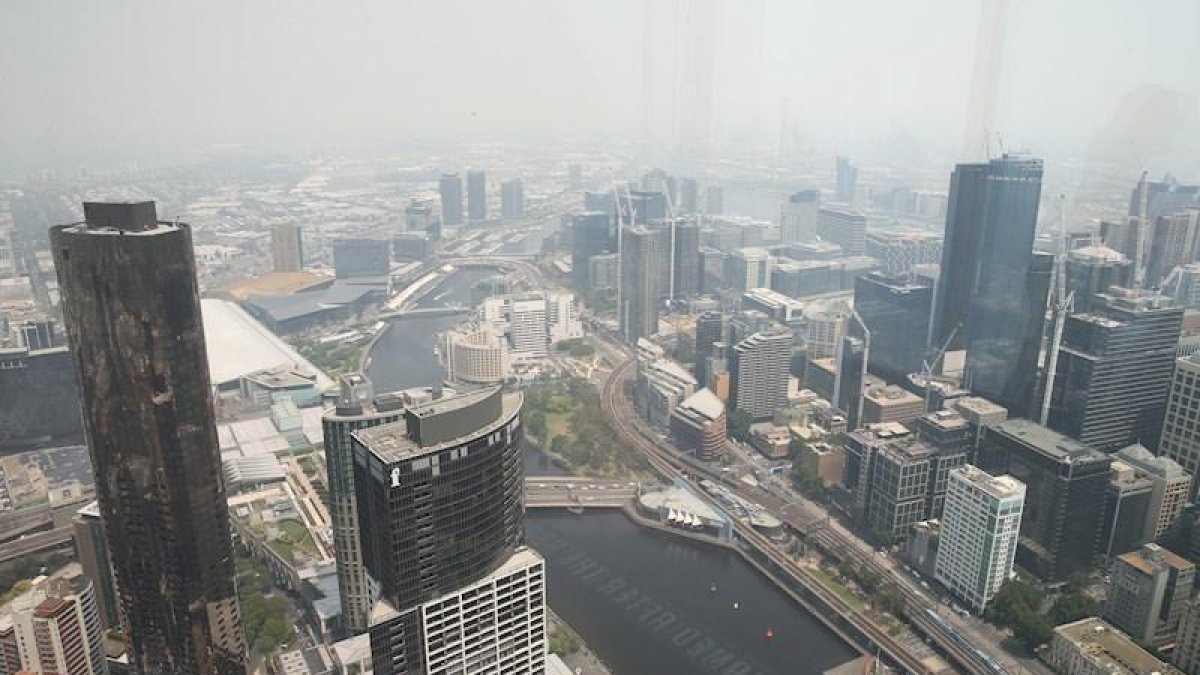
641,599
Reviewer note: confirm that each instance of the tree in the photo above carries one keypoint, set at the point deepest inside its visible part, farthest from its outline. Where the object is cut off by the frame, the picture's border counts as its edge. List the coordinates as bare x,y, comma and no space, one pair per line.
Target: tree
739,424
537,424
798,364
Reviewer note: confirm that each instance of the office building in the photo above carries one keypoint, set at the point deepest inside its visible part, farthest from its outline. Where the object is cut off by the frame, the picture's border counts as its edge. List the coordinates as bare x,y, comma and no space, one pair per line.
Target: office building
1126,508
1174,242
591,235
48,406
54,628
748,268
1092,270
698,425
1093,647
512,198
687,258
1114,370
824,326
847,177
647,206
356,258
689,196
418,217
357,408
714,200
759,372
477,208
532,321
843,226
1186,654
1169,493
1147,594
128,286
432,548
661,385
890,403
643,252
287,247
898,252
92,550
850,379
978,543
896,311
774,305
450,190
991,292
1065,483
711,327
712,269
603,271
798,217
1180,438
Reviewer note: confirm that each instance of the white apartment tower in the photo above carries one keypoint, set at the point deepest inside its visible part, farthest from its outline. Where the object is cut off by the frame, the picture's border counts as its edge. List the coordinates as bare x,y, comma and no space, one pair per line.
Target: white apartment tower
54,628
980,525
532,322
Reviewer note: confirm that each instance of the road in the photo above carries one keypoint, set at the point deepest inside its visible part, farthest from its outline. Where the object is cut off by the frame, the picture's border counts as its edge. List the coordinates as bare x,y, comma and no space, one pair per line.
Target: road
571,492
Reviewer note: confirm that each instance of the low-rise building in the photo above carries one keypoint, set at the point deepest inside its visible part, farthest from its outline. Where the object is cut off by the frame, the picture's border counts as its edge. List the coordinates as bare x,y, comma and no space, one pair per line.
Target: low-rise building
891,404
661,385
296,382
771,440
1148,593
823,460
476,354
1092,647
698,425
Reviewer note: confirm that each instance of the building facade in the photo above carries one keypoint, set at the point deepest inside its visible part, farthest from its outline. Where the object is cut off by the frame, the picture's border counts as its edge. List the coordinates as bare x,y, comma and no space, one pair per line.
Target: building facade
643,250
698,425
1180,439
759,371
843,226
798,217
1148,593
129,296
287,247
450,190
477,207
896,311
980,525
54,628
1093,647
591,235
512,198
357,408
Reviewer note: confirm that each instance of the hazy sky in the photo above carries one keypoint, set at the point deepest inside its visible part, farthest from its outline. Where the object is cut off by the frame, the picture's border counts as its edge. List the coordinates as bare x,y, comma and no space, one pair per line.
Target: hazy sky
139,79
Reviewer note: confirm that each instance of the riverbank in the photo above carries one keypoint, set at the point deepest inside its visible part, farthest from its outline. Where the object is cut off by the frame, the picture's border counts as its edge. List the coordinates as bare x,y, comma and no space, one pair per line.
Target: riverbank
580,659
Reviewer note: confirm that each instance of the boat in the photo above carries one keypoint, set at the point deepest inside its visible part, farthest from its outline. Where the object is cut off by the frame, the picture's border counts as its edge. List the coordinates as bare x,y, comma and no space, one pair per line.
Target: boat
712,589
736,606
770,633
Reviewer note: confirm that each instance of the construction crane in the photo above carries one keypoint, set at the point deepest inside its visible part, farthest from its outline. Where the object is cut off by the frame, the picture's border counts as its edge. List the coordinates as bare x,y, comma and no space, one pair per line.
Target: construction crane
928,366
1143,225
622,319
1064,304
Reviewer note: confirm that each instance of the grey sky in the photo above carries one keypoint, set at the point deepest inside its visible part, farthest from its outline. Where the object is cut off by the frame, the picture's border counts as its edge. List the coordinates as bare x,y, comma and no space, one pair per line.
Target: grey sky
82,80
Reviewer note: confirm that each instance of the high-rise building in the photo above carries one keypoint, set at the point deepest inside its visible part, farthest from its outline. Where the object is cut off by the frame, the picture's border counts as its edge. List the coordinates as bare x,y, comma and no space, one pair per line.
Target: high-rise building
980,526
451,190
476,195
1093,269
1148,593
748,268
991,291
287,247
441,494
1114,370
698,425
591,235
711,327
1169,492
476,354
357,407
1091,646
843,226
798,217
512,198
128,286
603,271
1186,655
759,370
354,258
642,251
850,379
92,551
418,217
689,196
647,206
896,311
847,176
687,258
54,628
1180,439
1065,483
1126,507
1174,242
714,200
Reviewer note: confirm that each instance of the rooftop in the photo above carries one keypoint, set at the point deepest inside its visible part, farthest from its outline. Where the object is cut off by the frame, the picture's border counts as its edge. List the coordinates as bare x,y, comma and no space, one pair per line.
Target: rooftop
998,487
1111,649
238,345
395,442
1147,558
1049,442
704,402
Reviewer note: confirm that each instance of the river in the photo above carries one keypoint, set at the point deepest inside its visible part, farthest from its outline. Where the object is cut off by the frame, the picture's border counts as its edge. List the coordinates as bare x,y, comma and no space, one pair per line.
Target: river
642,600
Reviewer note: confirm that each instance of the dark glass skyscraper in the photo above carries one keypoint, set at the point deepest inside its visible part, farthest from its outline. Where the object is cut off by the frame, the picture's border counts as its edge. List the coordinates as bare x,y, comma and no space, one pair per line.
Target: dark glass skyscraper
128,285
711,328
687,257
896,311
991,283
451,191
1114,370
643,250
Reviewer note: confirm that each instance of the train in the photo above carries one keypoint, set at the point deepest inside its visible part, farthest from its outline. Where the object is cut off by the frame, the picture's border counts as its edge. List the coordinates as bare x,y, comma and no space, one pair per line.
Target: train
979,656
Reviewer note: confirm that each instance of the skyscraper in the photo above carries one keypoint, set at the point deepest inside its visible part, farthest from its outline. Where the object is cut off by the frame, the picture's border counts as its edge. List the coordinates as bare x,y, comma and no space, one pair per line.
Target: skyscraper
759,372
591,235
980,524
54,628
1093,269
476,195
1148,593
128,285
1168,493
748,268
896,311
689,196
357,407
512,198
92,550
451,191
441,494
1114,370
711,328
687,258
798,217
991,286
847,177
1180,439
641,274
287,248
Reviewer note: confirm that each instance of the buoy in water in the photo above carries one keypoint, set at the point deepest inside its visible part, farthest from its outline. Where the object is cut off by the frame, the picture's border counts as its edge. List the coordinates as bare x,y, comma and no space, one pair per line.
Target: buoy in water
712,589
770,633
736,606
